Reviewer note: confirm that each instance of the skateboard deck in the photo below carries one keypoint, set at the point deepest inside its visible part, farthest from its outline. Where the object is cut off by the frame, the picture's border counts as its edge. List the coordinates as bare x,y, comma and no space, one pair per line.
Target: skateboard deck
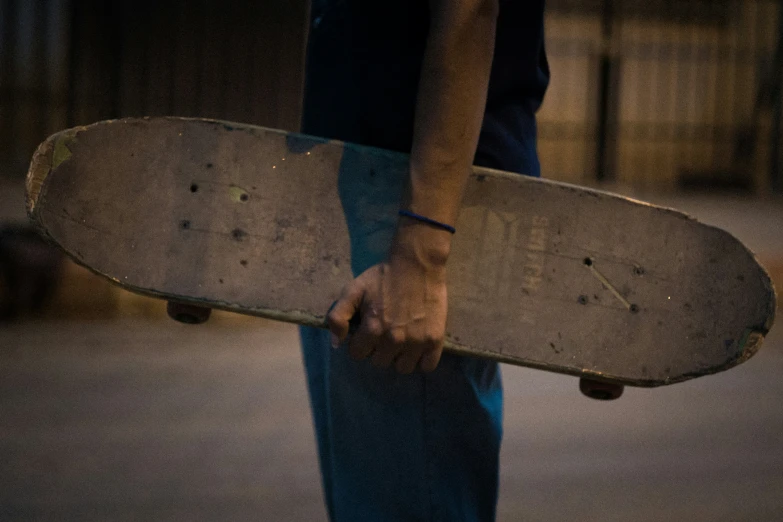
262,222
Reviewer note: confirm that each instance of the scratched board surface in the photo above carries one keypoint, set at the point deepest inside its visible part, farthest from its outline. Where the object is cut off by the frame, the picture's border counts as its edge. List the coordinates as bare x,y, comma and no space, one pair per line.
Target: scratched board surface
262,222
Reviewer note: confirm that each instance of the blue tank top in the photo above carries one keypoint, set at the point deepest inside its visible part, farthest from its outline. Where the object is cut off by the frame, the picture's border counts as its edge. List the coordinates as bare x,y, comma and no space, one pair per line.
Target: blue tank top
364,58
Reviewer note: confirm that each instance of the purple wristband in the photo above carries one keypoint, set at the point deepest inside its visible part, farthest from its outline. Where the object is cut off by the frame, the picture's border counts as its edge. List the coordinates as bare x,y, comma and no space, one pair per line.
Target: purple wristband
424,219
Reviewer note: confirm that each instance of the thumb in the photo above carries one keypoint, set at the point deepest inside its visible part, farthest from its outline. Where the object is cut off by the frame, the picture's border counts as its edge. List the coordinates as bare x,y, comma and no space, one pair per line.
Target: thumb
339,317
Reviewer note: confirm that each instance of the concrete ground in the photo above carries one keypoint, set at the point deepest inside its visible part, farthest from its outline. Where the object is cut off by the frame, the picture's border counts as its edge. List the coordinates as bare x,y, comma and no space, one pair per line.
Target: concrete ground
128,420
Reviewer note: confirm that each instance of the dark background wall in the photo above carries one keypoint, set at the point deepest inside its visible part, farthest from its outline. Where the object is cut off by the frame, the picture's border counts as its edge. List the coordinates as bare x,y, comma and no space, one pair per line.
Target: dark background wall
66,63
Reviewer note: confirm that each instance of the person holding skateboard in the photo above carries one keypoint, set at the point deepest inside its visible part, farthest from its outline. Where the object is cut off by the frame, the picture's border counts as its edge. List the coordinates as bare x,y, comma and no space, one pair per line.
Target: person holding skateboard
405,432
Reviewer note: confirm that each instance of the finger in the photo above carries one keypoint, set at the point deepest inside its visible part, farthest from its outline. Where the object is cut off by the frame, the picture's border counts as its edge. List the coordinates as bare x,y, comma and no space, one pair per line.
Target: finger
384,355
408,360
389,347
429,360
339,317
365,340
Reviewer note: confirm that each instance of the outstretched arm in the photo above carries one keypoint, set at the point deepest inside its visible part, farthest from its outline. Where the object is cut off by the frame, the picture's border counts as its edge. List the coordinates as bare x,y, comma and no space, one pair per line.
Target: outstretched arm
402,302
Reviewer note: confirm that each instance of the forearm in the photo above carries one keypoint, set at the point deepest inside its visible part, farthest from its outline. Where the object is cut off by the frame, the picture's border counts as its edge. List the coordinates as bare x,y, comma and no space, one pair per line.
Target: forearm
450,106
403,301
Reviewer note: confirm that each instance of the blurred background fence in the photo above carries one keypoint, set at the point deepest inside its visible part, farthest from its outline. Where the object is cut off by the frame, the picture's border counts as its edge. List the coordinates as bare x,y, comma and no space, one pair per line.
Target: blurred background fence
67,63
655,94
661,93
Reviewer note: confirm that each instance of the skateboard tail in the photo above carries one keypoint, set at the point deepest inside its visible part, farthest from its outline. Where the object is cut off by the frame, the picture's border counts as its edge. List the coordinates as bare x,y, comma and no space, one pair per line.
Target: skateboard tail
753,337
48,156
55,151
747,345
40,166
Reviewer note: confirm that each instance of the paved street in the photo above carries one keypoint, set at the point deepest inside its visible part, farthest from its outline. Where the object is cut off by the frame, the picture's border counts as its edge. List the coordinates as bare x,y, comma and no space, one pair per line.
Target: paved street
151,420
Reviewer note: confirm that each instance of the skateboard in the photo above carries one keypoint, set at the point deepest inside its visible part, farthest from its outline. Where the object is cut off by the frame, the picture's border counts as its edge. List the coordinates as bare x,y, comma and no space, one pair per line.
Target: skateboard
258,221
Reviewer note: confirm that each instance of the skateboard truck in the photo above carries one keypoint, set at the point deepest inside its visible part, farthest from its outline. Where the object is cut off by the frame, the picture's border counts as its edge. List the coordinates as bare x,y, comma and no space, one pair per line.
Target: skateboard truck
602,391
188,314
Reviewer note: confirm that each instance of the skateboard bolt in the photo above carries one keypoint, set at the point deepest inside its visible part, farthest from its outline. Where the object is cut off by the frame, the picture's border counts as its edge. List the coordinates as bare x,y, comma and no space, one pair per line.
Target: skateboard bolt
634,309
637,270
582,299
588,261
194,188
185,225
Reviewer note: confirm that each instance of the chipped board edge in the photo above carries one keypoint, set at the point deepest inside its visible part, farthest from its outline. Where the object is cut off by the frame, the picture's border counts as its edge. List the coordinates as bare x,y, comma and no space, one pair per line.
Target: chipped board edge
48,156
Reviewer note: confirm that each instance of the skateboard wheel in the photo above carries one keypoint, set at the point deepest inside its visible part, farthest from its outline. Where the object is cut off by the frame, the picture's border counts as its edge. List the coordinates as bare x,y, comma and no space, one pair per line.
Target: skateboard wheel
602,391
188,314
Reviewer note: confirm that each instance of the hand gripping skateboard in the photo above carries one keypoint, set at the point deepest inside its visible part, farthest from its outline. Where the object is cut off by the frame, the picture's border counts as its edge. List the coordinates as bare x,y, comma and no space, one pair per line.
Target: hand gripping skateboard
256,221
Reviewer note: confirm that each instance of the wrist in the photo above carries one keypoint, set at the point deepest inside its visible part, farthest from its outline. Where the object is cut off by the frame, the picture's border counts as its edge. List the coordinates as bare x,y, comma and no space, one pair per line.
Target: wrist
422,243
427,221
436,201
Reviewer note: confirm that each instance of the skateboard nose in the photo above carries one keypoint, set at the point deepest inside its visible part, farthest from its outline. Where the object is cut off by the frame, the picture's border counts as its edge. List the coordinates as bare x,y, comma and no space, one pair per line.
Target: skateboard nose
602,391
188,314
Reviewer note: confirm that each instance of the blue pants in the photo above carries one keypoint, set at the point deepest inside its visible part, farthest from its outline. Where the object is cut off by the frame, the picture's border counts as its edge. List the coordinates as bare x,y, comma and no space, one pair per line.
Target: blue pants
404,448
419,447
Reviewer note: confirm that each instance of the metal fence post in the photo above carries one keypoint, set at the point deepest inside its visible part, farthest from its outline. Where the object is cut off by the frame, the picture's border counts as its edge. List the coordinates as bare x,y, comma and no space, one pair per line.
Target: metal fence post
607,99
8,101
776,97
